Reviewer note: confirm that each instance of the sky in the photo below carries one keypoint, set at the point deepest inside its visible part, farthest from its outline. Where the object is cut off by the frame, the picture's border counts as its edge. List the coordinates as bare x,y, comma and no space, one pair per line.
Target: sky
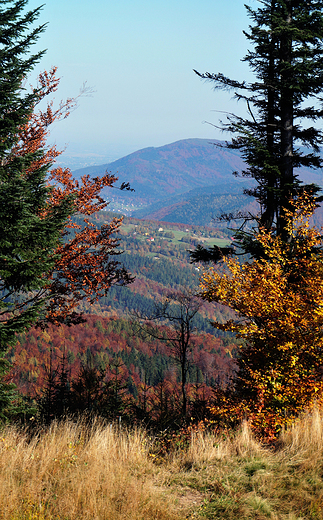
138,56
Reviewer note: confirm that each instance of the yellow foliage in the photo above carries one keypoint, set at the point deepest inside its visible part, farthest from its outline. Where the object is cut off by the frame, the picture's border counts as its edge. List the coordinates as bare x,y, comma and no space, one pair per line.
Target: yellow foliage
279,304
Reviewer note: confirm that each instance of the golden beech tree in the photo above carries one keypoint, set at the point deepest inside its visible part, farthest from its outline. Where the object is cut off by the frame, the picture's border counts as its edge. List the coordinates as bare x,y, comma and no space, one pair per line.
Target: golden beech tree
278,301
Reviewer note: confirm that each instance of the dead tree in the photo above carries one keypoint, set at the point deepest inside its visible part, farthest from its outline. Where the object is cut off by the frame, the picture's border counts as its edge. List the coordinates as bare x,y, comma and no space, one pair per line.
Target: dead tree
173,322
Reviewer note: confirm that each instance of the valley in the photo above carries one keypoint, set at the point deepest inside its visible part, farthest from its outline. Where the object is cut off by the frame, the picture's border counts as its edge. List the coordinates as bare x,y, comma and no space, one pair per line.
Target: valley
168,214
157,256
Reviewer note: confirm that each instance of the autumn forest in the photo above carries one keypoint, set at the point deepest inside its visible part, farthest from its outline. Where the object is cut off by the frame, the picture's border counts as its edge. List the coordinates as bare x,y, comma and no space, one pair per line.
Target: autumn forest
158,323
154,369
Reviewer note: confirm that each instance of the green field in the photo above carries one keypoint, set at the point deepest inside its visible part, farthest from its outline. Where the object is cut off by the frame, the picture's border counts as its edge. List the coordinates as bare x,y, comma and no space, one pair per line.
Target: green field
146,230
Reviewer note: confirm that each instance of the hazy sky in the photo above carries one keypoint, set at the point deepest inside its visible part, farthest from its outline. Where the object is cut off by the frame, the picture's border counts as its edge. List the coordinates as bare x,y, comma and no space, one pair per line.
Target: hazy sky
138,57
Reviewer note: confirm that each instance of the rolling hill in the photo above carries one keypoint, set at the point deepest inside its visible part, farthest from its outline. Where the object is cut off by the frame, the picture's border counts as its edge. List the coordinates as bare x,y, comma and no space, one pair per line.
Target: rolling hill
174,169
189,181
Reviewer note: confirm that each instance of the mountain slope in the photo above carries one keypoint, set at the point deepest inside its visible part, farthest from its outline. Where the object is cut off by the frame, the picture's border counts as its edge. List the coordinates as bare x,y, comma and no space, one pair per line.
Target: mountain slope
201,206
158,173
189,181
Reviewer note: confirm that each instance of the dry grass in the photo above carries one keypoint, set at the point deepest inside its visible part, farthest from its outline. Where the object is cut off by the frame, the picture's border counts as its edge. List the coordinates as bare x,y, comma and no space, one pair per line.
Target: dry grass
73,472
241,479
70,472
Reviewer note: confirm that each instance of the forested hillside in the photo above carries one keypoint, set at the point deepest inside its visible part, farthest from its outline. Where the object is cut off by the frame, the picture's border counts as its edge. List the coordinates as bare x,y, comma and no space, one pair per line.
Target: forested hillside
136,368
157,254
203,207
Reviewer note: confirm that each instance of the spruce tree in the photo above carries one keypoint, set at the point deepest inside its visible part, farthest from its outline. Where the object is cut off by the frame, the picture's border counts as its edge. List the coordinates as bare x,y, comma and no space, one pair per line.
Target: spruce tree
30,228
284,102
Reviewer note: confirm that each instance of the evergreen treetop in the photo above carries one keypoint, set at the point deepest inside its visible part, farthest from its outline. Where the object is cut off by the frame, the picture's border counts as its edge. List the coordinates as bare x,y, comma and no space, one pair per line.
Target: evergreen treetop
284,102
16,38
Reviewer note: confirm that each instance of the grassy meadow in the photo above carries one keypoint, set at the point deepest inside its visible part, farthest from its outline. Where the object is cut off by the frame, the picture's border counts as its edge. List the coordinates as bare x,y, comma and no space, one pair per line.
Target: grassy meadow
72,471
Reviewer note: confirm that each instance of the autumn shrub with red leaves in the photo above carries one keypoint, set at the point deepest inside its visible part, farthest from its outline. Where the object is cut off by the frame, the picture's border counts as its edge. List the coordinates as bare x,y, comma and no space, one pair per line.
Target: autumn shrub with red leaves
85,262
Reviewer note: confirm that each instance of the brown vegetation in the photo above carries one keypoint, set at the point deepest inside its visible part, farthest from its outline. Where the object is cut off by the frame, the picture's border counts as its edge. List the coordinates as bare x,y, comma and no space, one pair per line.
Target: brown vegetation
71,471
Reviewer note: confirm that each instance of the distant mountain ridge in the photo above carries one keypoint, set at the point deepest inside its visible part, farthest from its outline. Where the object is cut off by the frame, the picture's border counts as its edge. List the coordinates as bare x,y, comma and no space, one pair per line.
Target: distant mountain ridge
182,179
173,169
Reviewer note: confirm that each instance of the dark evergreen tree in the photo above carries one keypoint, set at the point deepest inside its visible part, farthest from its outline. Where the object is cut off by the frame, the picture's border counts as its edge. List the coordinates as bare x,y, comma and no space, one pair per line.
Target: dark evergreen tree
13,406
88,389
46,405
115,390
55,399
284,102
29,227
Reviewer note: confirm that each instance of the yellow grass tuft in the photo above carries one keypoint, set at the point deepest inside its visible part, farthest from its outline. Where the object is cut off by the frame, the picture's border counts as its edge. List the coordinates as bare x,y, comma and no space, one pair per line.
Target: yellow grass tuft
304,438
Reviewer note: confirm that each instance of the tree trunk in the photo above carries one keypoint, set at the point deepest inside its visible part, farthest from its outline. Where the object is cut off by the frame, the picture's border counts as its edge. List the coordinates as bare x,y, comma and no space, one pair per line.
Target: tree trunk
287,102
184,397
268,215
